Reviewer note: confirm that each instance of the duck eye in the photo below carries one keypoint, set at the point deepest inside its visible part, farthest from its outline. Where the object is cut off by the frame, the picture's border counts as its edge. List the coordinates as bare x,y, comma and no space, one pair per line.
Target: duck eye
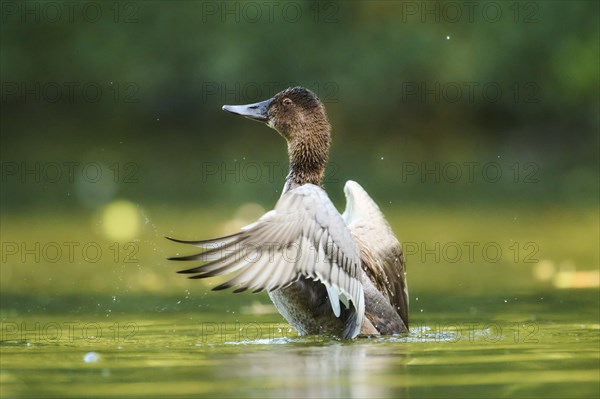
287,101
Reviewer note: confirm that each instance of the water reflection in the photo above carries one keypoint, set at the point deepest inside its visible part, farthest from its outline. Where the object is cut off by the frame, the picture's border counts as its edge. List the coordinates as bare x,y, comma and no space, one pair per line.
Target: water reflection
334,369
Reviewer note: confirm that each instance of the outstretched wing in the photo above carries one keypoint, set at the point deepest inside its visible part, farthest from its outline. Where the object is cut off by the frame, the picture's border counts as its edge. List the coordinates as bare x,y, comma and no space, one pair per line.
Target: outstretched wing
383,259
304,236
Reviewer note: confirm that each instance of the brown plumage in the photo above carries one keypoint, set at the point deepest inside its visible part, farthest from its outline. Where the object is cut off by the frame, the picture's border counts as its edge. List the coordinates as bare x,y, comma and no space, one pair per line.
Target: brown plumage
304,124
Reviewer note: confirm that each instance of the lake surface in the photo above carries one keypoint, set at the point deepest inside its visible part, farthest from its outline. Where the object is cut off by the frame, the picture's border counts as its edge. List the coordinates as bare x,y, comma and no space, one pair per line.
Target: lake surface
111,318
513,346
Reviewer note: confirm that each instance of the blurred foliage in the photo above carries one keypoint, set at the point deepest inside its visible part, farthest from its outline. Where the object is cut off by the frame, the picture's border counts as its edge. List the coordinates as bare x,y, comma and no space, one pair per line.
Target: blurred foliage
509,247
180,61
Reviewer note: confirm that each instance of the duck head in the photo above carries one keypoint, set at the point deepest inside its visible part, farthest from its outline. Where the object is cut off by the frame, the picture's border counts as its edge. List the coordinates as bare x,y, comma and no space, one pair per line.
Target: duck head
300,117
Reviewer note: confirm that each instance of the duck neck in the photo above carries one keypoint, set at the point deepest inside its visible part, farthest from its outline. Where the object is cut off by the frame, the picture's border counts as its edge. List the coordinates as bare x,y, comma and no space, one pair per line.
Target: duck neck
308,159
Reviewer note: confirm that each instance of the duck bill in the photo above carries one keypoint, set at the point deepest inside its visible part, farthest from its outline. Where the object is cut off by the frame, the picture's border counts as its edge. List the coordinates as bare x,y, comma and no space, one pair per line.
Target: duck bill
256,111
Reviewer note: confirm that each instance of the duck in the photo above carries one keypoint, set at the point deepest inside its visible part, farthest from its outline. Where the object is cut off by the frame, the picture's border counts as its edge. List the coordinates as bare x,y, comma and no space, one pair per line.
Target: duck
328,273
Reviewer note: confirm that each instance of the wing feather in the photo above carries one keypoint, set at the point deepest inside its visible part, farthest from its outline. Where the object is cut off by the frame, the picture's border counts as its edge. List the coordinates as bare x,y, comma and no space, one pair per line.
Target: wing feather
304,218
381,252
207,244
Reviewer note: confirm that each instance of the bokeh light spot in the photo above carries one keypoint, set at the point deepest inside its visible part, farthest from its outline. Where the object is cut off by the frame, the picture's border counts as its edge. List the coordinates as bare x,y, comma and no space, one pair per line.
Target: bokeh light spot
121,220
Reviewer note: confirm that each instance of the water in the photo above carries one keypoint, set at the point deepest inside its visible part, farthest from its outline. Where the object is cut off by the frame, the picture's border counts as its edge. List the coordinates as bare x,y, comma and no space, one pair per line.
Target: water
536,345
124,324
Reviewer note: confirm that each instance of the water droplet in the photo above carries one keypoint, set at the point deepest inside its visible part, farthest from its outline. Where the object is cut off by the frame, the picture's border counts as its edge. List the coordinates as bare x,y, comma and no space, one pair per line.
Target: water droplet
91,357
447,37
